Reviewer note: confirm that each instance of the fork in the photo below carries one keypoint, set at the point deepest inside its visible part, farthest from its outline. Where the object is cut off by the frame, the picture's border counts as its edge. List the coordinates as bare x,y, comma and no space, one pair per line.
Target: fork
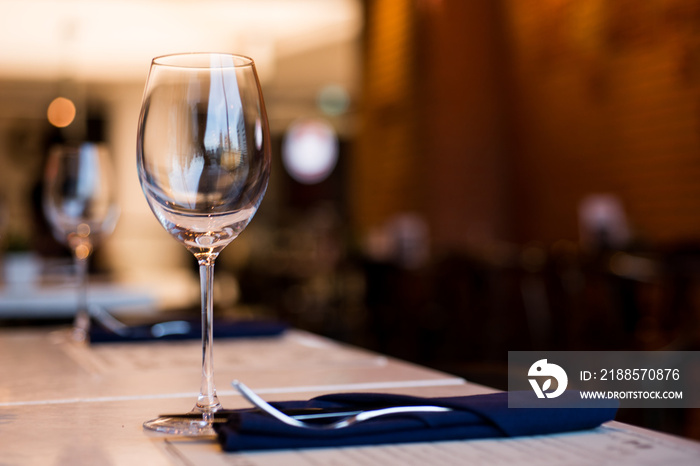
347,421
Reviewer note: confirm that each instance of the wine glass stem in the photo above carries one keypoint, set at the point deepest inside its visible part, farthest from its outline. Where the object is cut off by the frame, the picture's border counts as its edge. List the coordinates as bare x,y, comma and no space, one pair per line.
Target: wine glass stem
81,323
208,402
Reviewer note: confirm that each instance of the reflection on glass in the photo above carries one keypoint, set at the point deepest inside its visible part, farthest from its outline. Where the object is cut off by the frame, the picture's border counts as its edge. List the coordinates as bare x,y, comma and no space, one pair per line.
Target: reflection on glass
204,163
79,203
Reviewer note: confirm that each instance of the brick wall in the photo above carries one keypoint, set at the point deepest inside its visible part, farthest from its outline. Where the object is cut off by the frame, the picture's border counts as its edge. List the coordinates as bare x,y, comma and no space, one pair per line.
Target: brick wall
431,136
608,100
496,118
383,167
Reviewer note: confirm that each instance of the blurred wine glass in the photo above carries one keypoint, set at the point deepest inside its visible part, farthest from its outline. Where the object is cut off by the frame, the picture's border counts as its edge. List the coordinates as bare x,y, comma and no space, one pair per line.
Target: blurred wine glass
204,162
80,205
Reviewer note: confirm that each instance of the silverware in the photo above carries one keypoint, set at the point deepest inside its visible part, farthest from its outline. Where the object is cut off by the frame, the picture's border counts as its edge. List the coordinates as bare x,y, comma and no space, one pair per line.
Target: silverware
158,330
296,413
173,327
108,320
350,419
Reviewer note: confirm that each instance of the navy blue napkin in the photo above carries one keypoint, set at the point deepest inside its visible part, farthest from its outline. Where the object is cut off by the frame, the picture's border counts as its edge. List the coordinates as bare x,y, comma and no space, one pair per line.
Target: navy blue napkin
474,417
186,330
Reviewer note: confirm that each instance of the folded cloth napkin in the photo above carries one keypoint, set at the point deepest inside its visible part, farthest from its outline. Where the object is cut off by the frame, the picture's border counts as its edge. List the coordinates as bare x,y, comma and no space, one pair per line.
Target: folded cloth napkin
185,330
474,417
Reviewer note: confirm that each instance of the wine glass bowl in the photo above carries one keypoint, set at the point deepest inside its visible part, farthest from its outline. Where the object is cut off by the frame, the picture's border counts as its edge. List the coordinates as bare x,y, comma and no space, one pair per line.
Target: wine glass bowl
79,201
204,163
79,195
203,158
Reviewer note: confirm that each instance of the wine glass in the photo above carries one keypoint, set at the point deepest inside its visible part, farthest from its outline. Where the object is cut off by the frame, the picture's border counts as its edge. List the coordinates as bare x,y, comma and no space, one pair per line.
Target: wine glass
204,163
80,205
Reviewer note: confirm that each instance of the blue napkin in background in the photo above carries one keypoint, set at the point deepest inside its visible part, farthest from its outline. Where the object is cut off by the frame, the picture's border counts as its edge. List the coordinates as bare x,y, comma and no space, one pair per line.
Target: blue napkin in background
474,417
186,329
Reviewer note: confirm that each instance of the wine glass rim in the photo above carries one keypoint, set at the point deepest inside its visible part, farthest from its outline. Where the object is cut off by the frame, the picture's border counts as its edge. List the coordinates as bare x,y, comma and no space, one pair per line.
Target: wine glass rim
193,60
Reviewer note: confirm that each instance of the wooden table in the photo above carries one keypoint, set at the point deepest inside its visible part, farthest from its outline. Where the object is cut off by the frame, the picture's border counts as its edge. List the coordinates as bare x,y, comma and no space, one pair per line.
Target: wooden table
64,403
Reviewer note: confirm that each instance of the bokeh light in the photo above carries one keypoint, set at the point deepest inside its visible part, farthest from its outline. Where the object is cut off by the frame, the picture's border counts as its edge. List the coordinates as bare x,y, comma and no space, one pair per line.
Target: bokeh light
61,112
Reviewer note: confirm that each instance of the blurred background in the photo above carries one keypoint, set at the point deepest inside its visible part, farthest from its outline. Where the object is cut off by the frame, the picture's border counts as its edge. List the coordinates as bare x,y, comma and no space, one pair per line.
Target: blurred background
452,179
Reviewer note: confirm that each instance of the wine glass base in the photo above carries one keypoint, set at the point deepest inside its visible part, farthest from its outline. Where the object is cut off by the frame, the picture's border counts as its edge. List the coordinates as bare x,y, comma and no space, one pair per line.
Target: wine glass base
191,427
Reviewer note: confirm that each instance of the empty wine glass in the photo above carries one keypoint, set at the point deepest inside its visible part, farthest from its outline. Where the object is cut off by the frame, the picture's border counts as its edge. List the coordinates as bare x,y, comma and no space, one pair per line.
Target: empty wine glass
80,205
204,163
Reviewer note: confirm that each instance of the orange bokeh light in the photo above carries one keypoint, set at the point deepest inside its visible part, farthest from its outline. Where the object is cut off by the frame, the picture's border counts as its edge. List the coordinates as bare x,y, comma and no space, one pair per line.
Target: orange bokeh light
61,112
